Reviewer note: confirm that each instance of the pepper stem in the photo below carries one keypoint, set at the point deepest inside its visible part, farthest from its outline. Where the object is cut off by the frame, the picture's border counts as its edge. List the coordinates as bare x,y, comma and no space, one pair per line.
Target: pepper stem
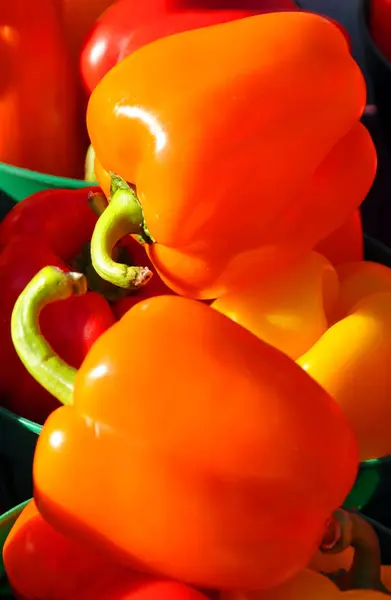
365,571
123,216
97,202
49,285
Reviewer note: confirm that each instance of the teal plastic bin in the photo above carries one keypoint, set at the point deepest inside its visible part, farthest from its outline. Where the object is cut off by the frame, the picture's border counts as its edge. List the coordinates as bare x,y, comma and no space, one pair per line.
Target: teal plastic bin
20,183
18,438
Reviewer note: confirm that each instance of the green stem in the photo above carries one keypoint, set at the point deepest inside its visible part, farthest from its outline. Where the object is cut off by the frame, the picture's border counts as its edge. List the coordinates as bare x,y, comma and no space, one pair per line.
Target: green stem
365,572
49,285
123,216
97,202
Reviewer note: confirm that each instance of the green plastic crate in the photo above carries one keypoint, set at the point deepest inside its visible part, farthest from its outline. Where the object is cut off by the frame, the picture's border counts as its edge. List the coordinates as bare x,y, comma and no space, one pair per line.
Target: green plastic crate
18,438
20,183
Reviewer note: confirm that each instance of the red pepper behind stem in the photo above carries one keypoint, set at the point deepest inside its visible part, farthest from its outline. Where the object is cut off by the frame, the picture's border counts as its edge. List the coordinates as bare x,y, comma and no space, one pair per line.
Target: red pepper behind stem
52,228
48,228
128,25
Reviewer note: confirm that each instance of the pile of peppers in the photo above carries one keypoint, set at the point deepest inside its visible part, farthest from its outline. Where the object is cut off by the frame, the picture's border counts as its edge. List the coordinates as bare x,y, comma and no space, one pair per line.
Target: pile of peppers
76,42
213,423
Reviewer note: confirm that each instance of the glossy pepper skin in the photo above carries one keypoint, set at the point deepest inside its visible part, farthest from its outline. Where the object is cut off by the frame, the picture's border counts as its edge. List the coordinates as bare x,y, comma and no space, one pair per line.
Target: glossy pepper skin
38,128
42,563
130,24
334,320
214,203
290,310
352,362
48,228
220,456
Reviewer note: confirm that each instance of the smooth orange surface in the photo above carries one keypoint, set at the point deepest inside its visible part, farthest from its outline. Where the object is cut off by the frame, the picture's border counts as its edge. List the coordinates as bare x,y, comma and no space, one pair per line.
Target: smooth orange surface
290,310
357,281
242,159
345,244
196,450
38,126
352,362
307,585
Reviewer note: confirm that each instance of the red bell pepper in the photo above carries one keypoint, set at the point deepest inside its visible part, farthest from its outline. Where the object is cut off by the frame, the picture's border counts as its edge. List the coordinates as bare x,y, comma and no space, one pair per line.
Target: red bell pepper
41,563
54,228
345,244
38,103
48,228
77,18
129,25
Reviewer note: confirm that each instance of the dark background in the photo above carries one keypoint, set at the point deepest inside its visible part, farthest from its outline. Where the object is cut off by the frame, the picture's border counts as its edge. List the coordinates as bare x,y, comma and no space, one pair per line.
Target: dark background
344,11
376,209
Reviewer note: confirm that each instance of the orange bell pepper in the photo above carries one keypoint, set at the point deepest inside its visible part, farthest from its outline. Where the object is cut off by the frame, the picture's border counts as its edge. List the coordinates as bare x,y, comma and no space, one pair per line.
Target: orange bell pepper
244,155
335,321
220,459
289,310
38,125
308,585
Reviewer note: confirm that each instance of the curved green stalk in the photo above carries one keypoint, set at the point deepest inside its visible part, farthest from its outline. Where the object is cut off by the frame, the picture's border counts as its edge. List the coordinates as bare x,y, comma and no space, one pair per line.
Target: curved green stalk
97,202
122,216
49,285
365,571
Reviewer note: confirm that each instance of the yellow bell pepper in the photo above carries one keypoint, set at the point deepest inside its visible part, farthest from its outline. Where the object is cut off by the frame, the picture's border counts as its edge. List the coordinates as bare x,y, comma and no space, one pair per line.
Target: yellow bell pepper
288,310
336,323
352,362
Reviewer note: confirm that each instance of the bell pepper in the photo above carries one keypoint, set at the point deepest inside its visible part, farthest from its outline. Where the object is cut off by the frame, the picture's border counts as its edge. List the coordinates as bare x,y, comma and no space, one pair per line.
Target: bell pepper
48,228
334,322
176,150
345,244
38,128
213,478
54,227
289,310
308,585
362,579
352,362
293,309
359,280
42,563
128,25
77,18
